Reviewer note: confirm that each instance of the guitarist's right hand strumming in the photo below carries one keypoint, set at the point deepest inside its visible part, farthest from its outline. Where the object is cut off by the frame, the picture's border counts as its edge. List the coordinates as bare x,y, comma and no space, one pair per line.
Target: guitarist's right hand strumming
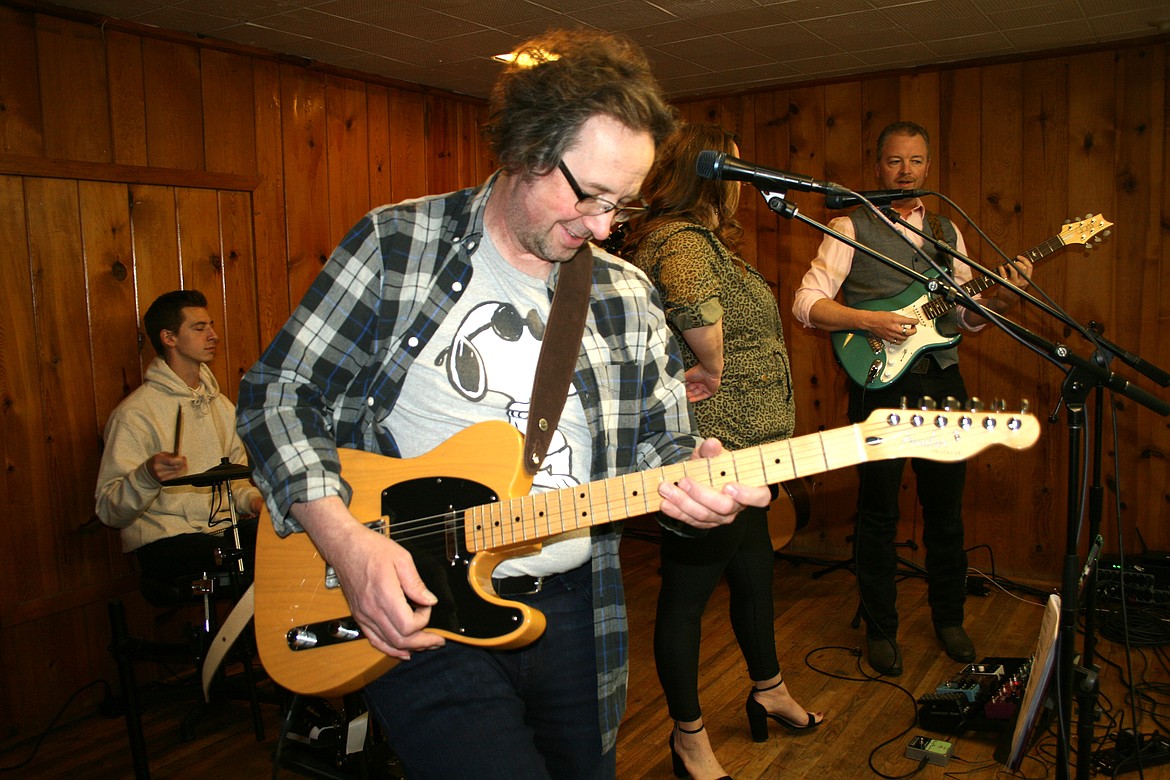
385,592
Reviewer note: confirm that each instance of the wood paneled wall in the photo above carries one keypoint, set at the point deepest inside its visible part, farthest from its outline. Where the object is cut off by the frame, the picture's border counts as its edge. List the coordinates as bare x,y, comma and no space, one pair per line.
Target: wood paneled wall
132,163
135,161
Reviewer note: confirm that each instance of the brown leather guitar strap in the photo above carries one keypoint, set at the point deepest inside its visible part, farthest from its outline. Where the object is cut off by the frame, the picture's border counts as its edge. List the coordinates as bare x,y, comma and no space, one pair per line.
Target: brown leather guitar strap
937,229
558,355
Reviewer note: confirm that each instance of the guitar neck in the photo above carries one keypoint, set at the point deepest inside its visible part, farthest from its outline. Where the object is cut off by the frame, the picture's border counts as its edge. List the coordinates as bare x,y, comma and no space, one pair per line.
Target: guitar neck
540,515
939,306
937,435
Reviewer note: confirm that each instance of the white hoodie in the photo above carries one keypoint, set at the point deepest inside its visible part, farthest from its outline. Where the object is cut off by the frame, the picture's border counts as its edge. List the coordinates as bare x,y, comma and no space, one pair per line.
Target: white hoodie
128,497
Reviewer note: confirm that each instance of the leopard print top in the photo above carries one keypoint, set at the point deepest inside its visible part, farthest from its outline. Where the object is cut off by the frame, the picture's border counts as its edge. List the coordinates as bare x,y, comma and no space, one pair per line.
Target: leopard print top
700,280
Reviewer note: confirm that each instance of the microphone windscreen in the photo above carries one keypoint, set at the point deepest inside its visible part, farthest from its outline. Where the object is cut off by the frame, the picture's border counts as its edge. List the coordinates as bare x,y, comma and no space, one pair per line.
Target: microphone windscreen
706,163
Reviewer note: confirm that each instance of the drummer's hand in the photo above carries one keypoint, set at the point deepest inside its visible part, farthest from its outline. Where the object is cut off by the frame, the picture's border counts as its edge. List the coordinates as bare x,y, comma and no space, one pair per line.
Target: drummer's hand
166,465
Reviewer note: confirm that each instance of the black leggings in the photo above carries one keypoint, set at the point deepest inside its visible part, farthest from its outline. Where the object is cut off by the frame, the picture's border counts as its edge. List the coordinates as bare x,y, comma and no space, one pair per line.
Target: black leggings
691,568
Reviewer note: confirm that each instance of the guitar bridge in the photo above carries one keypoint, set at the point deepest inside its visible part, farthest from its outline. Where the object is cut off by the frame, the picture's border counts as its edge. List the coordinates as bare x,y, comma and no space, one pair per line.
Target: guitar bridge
875,369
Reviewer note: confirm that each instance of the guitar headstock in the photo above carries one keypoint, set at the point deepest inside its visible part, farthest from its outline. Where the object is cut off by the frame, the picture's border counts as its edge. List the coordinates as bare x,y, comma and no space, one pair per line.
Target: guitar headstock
951,433
1087,231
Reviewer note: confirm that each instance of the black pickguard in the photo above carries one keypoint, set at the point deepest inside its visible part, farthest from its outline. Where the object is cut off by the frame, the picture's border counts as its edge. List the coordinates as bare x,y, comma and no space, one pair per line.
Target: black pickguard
426,517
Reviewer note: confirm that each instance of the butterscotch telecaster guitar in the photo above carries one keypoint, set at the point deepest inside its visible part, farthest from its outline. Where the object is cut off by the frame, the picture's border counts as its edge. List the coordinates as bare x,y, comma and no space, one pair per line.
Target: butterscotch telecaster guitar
464,507
874,363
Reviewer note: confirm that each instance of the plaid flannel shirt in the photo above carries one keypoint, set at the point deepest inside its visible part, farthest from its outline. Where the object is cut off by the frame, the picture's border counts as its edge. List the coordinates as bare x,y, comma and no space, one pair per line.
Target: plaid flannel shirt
334,372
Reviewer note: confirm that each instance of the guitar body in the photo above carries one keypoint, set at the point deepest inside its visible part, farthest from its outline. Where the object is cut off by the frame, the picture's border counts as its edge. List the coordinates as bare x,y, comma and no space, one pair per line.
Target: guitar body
418,503
788,513
874,363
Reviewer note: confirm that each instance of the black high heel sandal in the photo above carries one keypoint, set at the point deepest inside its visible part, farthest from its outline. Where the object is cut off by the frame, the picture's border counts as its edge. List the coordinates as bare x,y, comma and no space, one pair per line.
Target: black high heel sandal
676,762
758,716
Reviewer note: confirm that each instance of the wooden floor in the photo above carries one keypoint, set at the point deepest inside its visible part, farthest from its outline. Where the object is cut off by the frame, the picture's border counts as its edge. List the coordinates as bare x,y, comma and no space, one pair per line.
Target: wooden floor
868,722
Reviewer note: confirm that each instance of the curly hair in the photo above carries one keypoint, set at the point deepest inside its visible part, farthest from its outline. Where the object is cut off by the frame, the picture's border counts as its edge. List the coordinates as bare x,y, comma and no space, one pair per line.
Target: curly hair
672,190
557,82
166,313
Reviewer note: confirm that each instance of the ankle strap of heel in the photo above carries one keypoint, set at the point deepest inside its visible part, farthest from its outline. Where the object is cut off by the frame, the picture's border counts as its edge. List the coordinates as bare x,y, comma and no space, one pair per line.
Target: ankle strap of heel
770,687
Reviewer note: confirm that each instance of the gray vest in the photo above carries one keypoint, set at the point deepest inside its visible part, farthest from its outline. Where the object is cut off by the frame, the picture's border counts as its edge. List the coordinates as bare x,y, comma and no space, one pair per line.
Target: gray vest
870,279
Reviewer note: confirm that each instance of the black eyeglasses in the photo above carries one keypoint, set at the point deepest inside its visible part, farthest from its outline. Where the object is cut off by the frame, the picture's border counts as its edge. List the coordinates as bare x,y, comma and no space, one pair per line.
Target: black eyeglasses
592,206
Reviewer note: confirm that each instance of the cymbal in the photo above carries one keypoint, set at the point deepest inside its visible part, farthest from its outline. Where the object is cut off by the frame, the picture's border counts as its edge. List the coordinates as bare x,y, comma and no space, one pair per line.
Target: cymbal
224,472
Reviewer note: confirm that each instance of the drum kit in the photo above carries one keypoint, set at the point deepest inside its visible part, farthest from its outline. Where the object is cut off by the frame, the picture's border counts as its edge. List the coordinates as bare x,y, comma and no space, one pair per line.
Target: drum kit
221,474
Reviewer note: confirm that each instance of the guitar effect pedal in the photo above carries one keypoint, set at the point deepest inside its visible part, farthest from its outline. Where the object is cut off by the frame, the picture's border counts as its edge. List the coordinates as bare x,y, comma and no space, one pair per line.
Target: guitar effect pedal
934,751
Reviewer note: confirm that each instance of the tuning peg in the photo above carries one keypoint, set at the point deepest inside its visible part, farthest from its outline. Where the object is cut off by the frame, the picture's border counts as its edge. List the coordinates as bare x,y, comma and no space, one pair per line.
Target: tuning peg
974,404
902,404
927,404
998,405
950,403
1025,405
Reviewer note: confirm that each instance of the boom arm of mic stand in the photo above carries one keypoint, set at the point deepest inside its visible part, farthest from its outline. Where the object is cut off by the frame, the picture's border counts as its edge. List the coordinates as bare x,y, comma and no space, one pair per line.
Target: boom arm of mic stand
1085,374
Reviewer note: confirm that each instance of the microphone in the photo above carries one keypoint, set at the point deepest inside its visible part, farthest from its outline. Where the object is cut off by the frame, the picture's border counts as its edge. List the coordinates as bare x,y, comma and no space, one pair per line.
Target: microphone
721,166
838,200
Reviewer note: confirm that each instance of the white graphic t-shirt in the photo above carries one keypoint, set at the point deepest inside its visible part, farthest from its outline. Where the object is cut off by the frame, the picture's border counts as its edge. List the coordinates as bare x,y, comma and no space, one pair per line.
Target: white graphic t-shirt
479,366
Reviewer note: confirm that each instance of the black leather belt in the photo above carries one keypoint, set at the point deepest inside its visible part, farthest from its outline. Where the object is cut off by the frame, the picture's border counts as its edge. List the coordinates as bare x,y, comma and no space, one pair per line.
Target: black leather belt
522,585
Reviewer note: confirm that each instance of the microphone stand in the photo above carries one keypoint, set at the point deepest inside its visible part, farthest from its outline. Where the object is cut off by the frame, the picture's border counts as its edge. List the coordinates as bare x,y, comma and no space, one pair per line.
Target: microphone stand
1081,377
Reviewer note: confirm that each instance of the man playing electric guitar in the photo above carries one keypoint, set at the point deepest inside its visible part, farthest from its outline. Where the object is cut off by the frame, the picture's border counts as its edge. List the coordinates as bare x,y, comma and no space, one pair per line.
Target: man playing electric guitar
427,319
903,162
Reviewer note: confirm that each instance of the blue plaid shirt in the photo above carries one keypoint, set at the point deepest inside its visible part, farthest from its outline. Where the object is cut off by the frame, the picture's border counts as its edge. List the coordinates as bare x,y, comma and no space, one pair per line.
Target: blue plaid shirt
334,372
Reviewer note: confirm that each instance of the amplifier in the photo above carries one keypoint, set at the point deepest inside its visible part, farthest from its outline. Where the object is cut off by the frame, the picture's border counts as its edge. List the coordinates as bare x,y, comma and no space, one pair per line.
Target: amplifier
1146,578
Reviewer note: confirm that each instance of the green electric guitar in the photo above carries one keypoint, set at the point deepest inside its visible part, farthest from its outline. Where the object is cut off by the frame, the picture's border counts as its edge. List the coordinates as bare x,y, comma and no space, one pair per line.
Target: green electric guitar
874,363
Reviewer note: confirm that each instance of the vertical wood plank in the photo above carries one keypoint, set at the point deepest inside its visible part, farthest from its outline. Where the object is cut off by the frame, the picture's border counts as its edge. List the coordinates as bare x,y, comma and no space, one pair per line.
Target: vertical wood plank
408,145
127,97
201,256
72,62
268,215
1092,177
306,178
348,154
241,326
24,484
113,312
21,130
156,248
228,122
174,105
64,360
442,145
378,130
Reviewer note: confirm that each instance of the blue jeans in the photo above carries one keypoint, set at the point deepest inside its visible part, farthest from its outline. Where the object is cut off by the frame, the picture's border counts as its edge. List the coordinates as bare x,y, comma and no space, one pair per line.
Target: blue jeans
464,711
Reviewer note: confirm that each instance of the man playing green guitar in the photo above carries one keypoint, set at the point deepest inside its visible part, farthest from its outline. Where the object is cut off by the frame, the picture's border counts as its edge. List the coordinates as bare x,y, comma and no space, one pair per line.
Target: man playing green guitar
903,162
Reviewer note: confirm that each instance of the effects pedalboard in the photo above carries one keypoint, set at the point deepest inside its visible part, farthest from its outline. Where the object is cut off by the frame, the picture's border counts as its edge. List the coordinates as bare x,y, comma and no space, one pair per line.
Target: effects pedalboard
985,696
